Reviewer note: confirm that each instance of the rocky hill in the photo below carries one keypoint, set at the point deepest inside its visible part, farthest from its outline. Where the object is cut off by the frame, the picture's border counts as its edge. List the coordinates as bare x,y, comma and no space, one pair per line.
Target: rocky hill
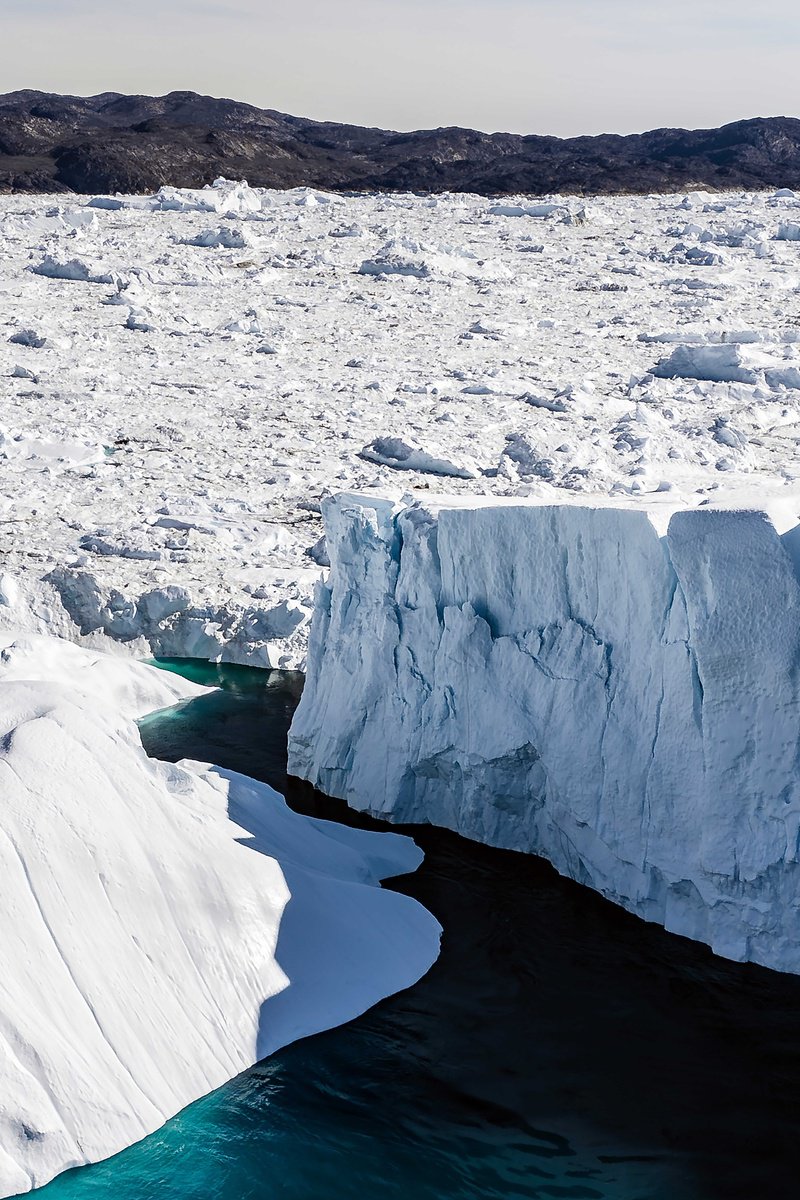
112,142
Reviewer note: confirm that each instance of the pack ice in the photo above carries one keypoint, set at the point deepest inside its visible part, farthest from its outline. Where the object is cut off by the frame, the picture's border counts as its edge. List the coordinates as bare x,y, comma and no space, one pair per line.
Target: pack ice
163,926
184,377
615,688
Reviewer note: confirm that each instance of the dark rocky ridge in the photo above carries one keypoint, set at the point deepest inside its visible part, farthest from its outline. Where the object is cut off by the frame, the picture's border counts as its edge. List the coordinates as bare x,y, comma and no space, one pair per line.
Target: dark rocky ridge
111,142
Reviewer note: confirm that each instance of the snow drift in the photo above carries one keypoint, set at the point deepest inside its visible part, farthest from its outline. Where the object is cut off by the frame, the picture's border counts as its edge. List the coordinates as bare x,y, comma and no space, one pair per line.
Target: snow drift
163,926
575,682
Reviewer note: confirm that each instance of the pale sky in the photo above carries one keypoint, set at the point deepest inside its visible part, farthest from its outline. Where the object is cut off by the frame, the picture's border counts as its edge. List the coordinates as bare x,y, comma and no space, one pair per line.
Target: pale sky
527,66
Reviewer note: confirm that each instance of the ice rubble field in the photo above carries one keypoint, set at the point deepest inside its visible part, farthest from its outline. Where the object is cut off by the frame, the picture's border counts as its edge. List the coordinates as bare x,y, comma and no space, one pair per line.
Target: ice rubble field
607,675
186,376
163,926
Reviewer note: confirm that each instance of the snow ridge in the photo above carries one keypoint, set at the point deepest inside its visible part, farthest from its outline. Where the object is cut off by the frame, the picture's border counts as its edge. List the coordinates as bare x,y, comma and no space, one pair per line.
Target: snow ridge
614,689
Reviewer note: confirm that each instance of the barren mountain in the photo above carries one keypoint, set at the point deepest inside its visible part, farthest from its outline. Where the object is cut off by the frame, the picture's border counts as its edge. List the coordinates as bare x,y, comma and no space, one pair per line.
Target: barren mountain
112,142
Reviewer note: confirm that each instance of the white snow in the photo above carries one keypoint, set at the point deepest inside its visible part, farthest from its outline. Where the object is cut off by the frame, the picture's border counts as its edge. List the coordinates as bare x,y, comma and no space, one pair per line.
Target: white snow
616,689
163,926
238,387
120,684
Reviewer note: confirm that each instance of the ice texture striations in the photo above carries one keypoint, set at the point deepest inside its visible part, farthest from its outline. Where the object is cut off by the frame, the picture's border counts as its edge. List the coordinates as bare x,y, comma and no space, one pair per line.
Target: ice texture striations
575,682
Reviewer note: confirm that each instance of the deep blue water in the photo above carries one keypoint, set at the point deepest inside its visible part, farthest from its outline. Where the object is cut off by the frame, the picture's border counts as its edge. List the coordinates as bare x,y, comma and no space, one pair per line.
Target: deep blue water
559,1048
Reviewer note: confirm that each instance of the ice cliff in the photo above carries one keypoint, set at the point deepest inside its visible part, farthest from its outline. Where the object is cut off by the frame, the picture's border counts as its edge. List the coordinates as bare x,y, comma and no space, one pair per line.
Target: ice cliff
162,926
614,689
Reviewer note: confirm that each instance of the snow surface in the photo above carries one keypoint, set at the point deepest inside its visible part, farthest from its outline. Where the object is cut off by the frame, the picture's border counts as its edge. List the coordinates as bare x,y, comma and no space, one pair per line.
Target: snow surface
163,926
616,690
167,436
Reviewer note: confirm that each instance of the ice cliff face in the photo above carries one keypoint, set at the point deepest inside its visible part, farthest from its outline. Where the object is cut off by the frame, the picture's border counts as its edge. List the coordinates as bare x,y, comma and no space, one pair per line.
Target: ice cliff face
163,926
569,681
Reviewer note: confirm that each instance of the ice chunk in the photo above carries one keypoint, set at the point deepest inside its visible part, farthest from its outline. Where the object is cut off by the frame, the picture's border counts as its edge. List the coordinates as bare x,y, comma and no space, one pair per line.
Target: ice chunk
75,270
224,236
605,687
394,452
110,203
403,256
724,363
527,210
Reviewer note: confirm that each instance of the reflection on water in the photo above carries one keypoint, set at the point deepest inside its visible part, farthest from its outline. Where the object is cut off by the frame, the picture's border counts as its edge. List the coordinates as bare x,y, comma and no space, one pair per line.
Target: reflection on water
559,1048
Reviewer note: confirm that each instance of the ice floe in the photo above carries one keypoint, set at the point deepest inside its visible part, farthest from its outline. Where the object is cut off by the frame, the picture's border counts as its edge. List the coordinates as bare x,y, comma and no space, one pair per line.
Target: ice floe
248,380
165,925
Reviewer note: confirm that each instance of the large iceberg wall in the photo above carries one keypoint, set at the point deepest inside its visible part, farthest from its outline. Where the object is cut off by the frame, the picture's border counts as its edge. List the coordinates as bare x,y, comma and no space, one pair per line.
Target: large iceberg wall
574,682
163,926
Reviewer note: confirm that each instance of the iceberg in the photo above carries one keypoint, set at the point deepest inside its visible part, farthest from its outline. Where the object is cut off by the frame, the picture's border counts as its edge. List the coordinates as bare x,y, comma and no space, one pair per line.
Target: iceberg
164,926
613,688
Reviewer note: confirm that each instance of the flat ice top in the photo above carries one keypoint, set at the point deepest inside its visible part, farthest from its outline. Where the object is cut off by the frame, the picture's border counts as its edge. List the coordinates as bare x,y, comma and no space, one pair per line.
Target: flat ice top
184,379
782,506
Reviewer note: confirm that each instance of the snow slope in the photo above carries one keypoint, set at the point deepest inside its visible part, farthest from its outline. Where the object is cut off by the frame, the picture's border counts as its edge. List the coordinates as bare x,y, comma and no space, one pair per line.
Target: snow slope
617,690
172,414
163,926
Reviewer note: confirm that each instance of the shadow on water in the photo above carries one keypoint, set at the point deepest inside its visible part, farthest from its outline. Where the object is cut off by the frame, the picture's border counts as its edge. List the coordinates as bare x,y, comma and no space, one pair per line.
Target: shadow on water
559,1047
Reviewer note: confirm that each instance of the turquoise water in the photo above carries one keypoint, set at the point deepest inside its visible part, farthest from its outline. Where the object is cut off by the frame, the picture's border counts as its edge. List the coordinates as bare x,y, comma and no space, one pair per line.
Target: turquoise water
558,1049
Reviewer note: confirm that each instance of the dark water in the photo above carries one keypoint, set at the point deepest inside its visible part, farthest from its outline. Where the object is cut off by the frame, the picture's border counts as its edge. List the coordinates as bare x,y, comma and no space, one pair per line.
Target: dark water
559,1048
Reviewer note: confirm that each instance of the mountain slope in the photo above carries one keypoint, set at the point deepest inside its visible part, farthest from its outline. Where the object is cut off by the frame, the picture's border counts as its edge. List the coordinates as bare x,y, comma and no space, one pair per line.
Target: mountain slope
113,142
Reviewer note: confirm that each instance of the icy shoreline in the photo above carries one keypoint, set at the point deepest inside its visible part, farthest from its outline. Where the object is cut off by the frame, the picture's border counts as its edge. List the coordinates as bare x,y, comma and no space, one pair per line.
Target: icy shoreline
615,690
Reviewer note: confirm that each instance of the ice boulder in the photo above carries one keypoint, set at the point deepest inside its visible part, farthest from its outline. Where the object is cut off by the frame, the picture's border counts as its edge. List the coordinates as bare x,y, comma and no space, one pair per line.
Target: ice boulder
527,210
404,256
224,197
74,270
616,693
224,237
164,926
733,361
722,363
394,452
108,203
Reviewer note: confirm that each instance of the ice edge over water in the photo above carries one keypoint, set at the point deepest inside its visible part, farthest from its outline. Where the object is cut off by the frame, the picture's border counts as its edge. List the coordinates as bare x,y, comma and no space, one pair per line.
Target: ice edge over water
614,689
167,925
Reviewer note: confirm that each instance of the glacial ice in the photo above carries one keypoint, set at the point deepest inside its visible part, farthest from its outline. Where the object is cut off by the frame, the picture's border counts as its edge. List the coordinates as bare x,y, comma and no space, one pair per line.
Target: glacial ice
164,926
246,384
404,256
615,688
75,270
733,361
394,452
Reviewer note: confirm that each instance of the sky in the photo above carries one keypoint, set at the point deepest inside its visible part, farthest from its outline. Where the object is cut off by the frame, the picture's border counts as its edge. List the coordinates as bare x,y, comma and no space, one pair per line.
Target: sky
526,66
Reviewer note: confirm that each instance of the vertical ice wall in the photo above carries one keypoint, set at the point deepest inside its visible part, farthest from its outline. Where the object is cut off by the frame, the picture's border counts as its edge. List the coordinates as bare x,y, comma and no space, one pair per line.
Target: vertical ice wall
563,680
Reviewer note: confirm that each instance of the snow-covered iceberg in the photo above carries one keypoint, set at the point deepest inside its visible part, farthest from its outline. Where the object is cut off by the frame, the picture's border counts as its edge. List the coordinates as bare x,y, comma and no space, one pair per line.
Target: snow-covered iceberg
614,689
162,926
